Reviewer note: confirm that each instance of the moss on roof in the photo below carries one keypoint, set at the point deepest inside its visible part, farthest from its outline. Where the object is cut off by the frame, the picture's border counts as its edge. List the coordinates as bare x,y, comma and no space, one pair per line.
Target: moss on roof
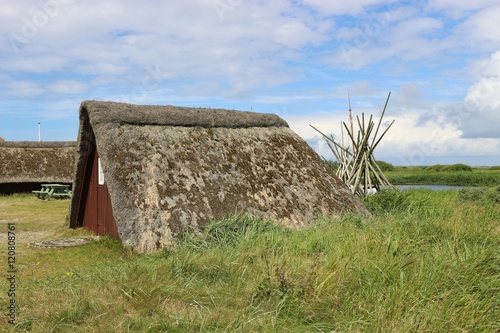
173,169
37,162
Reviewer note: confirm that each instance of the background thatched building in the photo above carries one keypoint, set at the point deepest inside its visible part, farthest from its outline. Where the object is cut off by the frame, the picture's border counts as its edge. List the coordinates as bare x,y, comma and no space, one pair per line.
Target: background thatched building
24,165
144,174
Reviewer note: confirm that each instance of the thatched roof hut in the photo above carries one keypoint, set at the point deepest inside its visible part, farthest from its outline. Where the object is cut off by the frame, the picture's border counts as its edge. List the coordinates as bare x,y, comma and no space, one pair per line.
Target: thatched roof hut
149,173
28,162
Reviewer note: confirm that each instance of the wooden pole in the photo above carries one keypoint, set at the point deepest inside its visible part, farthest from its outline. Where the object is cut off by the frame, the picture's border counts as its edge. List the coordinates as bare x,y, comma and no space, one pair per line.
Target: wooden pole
358,167
382,116
350,120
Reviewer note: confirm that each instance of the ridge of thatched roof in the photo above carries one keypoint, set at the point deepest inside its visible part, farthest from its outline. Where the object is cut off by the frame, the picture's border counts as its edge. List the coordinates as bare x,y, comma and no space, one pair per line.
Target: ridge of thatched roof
173,169
37,162
37,144
169,115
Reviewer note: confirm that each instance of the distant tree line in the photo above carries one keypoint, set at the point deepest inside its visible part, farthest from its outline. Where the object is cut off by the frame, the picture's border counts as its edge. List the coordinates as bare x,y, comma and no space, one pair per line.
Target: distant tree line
385,166
449,167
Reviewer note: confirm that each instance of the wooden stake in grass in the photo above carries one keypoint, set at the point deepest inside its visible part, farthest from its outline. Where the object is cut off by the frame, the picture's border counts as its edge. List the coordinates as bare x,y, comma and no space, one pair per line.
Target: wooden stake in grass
358,167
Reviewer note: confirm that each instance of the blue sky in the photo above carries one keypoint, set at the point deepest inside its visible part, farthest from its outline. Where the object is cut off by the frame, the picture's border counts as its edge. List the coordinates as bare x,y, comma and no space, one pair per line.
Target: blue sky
440,59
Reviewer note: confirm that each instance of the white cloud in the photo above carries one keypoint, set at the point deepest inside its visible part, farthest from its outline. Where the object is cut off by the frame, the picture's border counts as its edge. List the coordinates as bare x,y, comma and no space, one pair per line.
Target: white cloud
67,87
61,109
479,29
8,10
408,33
357,88
295,34
352,7
383,38
245,54
484,94
36,63
407,142
23,89
478,115
460,8
299,58
409,95
329,124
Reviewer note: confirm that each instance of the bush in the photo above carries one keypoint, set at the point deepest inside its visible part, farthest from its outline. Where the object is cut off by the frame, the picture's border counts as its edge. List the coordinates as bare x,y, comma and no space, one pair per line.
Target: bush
387,201
436,167
384,166
479,195
449,167
230,231
457,167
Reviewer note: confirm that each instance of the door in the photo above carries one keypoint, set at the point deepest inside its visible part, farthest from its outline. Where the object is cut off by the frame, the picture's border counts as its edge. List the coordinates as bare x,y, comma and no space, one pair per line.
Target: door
98,209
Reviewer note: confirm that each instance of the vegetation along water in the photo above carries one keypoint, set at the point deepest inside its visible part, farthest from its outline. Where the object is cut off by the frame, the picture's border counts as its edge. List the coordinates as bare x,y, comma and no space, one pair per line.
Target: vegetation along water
454,174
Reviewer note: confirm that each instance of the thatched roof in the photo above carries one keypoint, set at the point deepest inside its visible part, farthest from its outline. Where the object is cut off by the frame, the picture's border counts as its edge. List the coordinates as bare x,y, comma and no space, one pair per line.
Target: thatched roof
173,169
37,162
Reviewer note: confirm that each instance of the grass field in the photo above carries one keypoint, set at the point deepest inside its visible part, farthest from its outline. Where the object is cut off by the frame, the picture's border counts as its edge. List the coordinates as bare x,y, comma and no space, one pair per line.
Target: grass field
422,175
426,262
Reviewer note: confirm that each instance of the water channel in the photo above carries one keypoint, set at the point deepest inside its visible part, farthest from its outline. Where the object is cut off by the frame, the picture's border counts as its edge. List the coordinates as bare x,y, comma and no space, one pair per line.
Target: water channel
429,186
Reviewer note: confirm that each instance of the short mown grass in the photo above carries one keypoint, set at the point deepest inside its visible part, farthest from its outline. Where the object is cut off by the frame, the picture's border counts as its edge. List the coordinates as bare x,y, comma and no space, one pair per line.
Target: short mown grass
426,262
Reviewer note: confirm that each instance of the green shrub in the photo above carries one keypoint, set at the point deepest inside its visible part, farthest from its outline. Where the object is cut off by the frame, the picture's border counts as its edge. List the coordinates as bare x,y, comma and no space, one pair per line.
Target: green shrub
387,201
231,231
436,167
384,166
457,167
461,178
449,167
479,194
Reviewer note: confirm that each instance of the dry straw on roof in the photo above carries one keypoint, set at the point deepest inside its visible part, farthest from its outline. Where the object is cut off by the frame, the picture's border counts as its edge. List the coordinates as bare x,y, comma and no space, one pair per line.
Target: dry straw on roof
172,169
37,162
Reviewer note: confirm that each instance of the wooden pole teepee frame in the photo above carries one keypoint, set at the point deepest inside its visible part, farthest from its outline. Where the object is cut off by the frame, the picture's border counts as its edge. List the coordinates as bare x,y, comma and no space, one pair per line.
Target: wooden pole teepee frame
358,167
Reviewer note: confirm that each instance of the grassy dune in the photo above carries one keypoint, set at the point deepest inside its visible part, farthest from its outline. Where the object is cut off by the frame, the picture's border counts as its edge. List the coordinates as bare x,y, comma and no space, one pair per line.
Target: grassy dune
426,262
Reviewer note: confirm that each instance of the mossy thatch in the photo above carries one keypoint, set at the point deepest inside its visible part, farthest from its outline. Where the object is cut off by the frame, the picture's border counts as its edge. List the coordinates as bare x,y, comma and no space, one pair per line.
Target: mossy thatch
173,169
37,162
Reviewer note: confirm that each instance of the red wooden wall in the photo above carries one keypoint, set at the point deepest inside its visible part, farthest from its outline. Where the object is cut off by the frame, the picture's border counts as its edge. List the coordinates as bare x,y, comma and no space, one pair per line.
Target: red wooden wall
98,214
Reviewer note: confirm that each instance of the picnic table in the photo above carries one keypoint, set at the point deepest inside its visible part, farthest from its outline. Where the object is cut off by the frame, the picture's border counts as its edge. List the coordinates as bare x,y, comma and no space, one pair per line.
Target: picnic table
53,191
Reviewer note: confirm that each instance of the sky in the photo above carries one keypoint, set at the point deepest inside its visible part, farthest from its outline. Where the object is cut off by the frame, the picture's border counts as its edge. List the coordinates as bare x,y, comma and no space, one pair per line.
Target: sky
300,59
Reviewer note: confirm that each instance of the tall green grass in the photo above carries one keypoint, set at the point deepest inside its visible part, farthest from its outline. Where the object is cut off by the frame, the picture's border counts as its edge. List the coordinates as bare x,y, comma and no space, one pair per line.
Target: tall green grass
476,177
426,262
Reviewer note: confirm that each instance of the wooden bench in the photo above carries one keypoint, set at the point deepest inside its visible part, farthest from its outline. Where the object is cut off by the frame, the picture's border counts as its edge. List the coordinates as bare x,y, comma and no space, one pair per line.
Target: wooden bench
62,195
41,194
53,191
